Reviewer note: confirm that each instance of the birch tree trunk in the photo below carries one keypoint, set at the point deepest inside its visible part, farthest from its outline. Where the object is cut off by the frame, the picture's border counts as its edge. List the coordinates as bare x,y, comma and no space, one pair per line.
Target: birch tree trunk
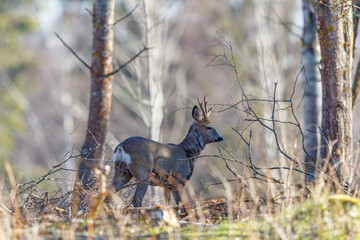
156,95
154,68
101,87
269,72
335,30
312,88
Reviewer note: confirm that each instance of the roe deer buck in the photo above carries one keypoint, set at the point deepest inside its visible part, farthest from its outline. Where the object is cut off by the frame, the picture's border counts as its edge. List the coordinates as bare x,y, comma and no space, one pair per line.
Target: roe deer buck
171,164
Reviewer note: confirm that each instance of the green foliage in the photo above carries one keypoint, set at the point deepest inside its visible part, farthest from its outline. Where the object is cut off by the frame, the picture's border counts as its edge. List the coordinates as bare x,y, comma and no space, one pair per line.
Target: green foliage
319,217
10,123
14,61
12,26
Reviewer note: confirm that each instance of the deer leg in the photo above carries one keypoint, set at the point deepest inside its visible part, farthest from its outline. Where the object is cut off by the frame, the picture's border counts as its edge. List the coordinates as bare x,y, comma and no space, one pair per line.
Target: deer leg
140,193
177,193
167,196
142,171
142,175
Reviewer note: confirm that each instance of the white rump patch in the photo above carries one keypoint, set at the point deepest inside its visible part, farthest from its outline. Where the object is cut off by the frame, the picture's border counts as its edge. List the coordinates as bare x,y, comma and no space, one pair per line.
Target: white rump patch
121,156
116,155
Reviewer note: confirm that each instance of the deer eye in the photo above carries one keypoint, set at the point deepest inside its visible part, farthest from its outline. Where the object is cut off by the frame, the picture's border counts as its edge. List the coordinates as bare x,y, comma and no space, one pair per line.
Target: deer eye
208,128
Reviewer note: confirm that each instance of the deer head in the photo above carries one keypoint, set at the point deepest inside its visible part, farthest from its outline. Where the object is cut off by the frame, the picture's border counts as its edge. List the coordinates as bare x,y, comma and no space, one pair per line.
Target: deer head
204,127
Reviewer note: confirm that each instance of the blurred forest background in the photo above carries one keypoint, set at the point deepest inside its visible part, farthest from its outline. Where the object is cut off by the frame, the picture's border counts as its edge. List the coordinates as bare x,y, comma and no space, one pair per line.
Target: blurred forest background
44,93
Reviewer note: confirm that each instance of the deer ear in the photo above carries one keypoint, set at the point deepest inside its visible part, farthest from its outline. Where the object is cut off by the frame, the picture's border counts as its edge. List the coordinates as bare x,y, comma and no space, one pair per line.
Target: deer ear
196,114
209,111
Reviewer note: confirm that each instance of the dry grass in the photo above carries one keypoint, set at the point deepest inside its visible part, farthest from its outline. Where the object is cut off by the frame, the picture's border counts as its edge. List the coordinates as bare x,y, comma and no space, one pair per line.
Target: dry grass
317,213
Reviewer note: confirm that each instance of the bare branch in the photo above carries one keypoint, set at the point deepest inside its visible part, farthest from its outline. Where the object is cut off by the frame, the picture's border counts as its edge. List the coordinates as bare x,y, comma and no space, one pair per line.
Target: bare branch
329,145
72,51
127,15
295,117
226,164
275,133
90,12
135,183
286,24
54,169
234,105
119,68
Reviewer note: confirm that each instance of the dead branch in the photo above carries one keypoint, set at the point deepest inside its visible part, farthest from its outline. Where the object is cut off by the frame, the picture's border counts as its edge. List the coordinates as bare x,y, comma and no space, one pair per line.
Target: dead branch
72,51
119,68
54,169
135,183
90,12
275,132
227,58
126,16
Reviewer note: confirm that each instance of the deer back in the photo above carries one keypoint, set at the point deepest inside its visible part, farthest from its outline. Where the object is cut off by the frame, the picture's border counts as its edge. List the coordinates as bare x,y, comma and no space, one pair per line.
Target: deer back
172,164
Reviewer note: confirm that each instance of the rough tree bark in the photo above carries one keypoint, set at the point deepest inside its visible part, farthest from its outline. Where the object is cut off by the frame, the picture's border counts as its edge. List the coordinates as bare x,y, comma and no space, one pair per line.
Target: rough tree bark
335,31
92,151
312,88
356,83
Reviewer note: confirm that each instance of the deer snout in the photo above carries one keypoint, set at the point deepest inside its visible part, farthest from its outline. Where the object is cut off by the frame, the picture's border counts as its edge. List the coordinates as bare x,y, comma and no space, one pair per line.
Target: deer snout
219,139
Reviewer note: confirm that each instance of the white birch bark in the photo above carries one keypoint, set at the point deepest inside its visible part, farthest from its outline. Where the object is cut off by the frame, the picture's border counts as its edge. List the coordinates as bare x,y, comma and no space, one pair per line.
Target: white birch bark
154,63
312,88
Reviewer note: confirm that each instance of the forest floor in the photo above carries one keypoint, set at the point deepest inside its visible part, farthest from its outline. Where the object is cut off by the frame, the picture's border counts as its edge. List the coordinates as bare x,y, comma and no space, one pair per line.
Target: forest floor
312,212
322,215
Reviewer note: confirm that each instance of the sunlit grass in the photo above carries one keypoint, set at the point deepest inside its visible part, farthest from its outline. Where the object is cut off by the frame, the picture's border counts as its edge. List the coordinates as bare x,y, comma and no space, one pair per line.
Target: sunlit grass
321,216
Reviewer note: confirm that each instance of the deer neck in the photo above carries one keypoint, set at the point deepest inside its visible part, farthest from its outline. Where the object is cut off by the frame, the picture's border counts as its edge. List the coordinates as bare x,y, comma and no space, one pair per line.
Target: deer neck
193,143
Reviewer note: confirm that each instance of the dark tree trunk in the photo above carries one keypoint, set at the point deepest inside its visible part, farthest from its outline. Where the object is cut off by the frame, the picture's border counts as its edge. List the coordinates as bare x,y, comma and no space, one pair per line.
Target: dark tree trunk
335,30
312,88
101,89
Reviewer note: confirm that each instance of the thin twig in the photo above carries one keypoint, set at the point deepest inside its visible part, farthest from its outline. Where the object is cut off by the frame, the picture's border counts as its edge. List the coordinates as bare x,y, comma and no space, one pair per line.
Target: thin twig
53,170
127,63
135,183
275,133
226,164
334,163
72,51
127,15
90,12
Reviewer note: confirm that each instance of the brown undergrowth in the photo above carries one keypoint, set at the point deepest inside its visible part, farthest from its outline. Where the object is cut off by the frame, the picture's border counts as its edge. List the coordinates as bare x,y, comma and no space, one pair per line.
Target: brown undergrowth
29,213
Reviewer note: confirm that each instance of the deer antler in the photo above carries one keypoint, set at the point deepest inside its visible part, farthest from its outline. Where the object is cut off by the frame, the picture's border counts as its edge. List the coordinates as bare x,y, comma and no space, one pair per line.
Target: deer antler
203,109
205,106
